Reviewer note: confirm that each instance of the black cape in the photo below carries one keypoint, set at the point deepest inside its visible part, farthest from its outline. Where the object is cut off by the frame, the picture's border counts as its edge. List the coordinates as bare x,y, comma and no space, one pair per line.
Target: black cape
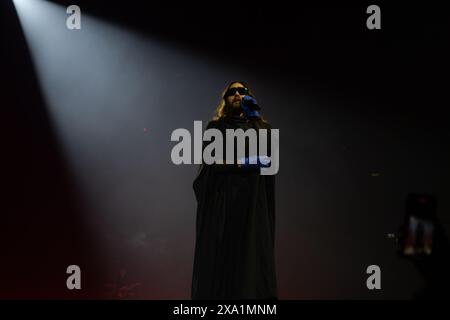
235,227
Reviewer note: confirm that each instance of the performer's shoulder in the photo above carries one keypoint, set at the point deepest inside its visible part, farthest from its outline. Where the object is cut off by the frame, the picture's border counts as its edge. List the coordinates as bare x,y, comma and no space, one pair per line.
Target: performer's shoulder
215,123
266,125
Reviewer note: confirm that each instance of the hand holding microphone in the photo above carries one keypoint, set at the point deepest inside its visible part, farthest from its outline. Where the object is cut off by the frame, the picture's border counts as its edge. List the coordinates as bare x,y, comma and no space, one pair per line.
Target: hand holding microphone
250,107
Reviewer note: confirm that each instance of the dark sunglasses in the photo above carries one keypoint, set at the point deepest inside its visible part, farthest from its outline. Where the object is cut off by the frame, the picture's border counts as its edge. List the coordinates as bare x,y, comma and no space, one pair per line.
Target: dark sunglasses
232,91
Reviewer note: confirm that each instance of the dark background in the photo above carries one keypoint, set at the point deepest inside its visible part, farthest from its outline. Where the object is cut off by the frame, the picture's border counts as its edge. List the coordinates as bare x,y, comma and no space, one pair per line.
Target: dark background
362,119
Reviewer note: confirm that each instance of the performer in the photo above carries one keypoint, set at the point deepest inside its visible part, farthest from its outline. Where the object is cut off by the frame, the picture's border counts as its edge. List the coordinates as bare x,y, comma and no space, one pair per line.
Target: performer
235,226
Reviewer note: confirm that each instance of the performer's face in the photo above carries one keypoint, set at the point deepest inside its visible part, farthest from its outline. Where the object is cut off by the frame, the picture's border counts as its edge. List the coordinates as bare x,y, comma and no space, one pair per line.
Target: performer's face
235,100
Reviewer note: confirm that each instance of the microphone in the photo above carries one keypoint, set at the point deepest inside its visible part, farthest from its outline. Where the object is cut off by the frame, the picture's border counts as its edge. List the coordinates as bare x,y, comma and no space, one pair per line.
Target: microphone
251,103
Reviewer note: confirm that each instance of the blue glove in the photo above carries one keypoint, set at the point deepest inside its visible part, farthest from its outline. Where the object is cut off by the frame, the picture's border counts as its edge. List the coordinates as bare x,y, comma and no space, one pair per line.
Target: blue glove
261,162
246,102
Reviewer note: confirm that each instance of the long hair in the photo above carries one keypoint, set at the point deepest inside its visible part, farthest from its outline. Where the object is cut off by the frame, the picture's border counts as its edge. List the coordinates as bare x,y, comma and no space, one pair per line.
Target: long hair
223,110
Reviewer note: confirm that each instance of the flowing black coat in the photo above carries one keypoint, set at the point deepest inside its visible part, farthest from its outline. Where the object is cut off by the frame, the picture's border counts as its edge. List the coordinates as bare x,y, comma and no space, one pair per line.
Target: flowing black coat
235,228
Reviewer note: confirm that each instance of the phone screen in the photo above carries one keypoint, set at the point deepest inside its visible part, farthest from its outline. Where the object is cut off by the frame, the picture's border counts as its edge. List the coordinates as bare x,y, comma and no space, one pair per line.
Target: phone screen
419,225
419,237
